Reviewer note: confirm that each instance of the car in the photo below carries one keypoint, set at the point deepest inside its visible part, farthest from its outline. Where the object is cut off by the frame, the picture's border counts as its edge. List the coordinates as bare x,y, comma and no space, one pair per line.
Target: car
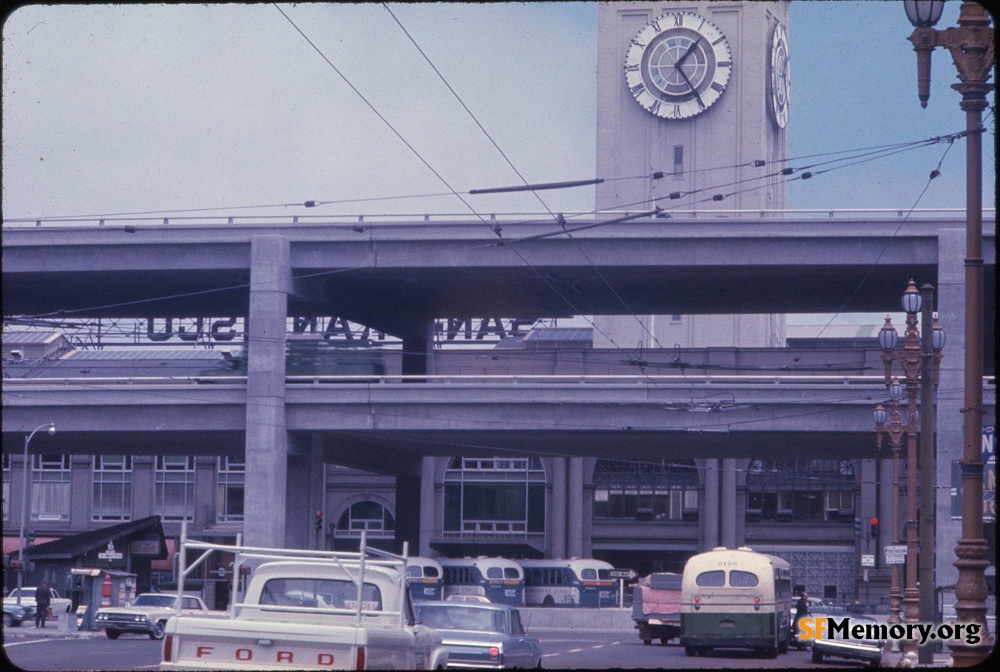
817,608
468,598
16,614
147,614
481,635
867,650
57,605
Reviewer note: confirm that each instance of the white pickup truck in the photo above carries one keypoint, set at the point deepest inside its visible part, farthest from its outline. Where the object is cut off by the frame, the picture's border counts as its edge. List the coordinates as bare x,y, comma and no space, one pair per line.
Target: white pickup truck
307,610
58,605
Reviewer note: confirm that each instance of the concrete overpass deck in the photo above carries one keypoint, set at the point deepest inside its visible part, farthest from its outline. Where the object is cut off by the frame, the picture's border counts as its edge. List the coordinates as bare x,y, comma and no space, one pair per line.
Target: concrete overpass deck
360,424
385,274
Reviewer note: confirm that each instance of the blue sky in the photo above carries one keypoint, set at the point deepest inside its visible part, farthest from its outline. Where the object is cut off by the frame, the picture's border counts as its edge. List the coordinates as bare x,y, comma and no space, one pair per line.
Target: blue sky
142,108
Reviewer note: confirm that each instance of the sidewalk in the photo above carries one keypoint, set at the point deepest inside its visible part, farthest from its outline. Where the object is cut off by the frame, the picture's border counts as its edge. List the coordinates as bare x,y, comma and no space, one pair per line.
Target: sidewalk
53,629
897,659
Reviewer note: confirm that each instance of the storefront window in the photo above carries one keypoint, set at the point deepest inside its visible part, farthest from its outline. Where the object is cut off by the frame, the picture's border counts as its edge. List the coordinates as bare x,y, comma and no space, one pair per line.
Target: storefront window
646,490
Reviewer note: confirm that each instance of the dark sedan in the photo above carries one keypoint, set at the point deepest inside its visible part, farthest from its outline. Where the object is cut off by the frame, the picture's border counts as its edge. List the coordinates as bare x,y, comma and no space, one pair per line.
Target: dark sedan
481,635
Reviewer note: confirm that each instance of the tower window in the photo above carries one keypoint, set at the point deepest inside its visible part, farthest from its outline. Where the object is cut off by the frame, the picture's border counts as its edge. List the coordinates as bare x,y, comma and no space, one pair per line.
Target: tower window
678,159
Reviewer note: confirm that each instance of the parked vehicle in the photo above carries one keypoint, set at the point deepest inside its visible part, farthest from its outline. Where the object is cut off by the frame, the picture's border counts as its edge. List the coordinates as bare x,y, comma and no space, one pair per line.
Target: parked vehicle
498,579
16,614
867,650
306,610
481,635
147,614
568,583
468,598
58,605
425,578
656,607
735,598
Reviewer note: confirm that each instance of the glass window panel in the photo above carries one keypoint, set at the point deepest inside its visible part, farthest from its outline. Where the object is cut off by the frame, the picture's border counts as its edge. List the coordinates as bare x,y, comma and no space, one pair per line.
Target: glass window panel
741,579
712,579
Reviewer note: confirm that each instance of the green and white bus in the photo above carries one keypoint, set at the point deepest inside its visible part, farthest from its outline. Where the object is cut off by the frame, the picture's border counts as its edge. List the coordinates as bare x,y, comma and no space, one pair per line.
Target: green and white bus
735,599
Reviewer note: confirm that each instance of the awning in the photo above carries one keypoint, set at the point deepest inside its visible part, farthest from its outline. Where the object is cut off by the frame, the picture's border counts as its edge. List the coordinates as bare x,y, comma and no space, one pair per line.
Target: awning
76,545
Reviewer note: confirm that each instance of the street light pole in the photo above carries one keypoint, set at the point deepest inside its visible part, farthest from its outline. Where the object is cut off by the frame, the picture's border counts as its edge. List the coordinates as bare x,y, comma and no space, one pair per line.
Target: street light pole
910,358
894,428
24,504
971,47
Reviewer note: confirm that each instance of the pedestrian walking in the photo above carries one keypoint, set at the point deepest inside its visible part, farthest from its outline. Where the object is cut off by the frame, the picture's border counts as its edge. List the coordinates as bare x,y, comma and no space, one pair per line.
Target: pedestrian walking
801,609
43,599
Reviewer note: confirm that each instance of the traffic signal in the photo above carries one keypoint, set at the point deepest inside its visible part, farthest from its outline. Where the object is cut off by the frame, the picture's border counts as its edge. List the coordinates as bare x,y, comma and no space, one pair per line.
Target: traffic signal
30,538
874,527
857,527
319,521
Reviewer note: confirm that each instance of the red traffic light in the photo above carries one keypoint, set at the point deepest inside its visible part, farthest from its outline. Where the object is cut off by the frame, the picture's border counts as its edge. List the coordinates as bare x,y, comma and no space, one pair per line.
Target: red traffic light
874,521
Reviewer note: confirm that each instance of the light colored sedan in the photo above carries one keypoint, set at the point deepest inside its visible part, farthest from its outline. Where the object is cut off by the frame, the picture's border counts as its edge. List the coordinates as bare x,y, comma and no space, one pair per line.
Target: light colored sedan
481,635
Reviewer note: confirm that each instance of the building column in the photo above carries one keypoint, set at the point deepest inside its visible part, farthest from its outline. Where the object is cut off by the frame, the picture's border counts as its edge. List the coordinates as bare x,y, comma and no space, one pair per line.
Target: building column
727,513
428,506
574,509
266,436
306,469
143,486
81,493
408,506
557,510
710,512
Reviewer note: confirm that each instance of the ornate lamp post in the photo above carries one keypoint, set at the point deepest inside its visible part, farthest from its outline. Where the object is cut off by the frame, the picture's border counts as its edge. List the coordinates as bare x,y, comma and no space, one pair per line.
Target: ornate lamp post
895,431
24,503
910,358
971,47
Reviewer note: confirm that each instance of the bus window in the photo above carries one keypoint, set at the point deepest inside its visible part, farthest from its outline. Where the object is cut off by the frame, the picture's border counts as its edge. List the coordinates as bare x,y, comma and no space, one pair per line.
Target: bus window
511,573
740,579
713,579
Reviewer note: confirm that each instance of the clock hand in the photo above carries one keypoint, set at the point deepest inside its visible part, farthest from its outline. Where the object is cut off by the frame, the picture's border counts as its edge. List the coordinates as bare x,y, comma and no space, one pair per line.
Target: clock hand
693,90
680,61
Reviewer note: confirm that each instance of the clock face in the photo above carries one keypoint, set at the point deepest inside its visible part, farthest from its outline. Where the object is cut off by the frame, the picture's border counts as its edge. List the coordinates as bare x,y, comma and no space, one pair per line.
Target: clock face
678,65
780,76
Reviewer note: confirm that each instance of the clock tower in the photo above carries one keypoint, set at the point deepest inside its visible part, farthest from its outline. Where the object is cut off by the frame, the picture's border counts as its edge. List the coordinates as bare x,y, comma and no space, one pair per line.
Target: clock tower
691,98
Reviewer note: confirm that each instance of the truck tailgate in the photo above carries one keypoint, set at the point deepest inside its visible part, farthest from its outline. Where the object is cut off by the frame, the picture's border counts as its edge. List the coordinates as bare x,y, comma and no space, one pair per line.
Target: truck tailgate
208,643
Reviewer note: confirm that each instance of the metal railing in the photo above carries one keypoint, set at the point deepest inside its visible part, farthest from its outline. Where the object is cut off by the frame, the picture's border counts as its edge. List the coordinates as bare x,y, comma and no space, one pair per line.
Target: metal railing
465,218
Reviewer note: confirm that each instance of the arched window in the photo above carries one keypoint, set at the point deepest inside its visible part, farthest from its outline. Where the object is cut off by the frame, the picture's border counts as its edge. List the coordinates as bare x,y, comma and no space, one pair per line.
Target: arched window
495,495
802,490
370,516
646,489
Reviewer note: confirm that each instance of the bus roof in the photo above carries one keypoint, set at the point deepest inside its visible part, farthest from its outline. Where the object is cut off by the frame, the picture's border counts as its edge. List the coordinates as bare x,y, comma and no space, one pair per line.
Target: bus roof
747,557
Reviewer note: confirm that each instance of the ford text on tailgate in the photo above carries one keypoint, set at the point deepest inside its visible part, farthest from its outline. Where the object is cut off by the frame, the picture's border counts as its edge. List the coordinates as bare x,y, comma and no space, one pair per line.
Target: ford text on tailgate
314,610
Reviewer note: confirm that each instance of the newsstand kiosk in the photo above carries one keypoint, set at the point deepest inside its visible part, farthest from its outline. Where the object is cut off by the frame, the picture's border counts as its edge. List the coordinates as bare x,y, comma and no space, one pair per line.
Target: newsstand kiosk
103,588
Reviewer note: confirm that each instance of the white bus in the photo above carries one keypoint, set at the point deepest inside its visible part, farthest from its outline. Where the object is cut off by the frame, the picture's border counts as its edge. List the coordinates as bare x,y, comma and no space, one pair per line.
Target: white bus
498,579
424,578
735,598
568,583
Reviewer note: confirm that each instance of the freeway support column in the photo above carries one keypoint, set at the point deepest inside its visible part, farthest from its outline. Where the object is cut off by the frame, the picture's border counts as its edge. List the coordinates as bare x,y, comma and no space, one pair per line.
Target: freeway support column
574,509
428,506
557,511
710,528
418,350
728,504
266,435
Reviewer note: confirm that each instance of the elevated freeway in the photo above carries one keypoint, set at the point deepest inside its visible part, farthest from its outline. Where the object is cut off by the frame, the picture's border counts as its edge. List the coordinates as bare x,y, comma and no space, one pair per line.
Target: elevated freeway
393,275
398,276
633,417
